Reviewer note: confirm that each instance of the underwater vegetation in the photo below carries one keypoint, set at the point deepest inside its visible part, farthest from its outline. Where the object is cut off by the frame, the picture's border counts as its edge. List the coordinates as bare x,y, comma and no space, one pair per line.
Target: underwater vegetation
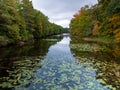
102,58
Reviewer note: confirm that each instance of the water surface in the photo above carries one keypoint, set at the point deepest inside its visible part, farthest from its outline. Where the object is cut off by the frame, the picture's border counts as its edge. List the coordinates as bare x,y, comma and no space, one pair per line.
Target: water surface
60,71
61,68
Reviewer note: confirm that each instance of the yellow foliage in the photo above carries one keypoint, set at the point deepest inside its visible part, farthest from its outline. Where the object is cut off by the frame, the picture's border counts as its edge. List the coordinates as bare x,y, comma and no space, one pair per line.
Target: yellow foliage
115,20
116,51
115,23
95,30
116,31
117,35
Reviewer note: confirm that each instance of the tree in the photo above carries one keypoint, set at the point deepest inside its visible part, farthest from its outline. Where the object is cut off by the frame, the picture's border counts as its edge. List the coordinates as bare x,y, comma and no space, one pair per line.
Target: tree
82,23
19,21
103,19
10,20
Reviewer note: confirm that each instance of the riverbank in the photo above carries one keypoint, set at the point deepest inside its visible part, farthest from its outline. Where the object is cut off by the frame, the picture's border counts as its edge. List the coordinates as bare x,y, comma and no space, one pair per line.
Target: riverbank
19,43
105,40
5,42
98,39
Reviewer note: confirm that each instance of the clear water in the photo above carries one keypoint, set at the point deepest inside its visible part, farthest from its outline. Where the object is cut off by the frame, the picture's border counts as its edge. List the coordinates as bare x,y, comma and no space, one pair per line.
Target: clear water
60,71
22,69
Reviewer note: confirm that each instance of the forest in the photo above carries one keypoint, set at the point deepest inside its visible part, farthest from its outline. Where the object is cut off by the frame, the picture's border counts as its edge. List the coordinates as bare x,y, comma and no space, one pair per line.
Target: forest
99,21
20,22
36,54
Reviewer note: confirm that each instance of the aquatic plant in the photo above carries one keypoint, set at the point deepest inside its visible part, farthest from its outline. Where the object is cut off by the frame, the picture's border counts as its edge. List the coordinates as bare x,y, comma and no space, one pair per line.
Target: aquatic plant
107,69
22,72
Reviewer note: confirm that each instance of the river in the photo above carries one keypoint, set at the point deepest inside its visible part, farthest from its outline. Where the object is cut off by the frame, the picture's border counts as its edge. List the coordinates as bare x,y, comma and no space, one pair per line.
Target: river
51,64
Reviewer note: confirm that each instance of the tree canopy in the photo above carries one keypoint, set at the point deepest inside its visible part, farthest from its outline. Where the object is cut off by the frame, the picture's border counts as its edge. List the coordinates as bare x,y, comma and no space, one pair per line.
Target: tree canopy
19,21
102,19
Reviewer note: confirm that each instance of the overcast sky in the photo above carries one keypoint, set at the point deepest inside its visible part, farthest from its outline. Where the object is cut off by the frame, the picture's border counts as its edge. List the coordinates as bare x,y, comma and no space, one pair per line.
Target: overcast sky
61,11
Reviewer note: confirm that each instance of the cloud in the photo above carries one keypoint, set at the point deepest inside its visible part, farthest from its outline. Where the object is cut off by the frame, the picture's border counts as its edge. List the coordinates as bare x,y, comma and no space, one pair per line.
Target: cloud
61,11
63,22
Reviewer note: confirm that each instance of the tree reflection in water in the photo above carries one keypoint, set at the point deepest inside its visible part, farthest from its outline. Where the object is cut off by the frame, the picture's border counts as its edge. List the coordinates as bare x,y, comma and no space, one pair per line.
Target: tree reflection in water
103,57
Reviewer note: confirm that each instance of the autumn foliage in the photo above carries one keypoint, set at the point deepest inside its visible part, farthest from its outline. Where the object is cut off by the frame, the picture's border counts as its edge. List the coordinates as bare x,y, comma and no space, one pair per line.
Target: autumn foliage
102,19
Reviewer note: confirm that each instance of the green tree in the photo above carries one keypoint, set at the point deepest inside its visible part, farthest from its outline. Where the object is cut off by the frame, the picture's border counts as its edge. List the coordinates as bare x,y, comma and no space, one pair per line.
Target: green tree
102,19
10,21
28,13
82,23
19,21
